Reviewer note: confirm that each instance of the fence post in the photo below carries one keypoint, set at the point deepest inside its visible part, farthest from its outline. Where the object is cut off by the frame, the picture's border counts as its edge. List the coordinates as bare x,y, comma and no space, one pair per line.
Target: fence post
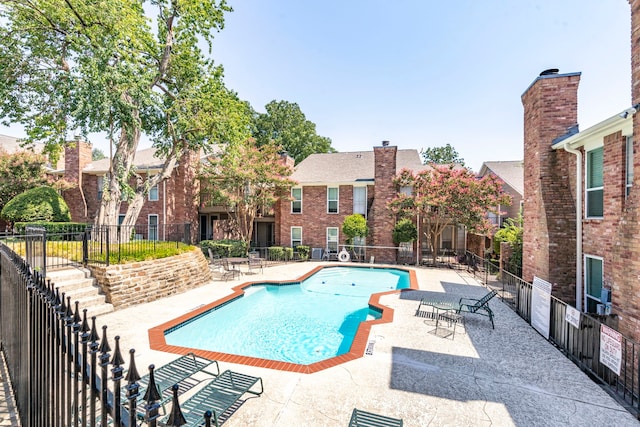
132,387
104,363
85,246
116,375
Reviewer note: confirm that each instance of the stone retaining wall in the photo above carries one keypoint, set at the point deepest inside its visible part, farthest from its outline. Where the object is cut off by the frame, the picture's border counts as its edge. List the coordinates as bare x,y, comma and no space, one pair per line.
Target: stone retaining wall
146,281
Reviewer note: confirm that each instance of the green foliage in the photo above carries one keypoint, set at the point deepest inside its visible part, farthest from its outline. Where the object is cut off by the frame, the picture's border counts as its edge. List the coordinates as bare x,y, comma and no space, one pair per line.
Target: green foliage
276,253
511,233
441,155
404,231
303,251
37,204
354,225
285,124
26,170
97,154
225,248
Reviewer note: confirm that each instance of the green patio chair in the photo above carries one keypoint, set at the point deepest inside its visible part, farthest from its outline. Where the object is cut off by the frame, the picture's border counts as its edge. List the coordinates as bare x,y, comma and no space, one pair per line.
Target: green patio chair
478,306
222,393
360,418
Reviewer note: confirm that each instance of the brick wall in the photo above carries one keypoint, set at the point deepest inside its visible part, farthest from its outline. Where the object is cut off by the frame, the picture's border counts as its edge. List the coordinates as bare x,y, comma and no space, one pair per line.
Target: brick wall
140,282
550,109
382,220
77,155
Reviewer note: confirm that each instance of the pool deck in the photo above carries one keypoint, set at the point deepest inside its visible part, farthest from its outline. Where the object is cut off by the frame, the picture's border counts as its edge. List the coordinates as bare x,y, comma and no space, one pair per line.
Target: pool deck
507,376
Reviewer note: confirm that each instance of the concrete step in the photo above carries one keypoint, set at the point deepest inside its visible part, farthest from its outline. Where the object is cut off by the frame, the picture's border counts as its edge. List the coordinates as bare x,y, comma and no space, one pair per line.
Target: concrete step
78,285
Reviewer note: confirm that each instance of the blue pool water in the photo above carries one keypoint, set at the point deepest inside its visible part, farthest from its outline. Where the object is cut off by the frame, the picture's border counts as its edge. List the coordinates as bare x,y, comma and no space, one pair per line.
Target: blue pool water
299,323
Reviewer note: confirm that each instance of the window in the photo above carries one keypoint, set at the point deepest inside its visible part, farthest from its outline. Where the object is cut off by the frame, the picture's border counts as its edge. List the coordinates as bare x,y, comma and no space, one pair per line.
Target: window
360,200
595,185
332,239
332,200
296,237
100,186
629,155
407,191
153,227
153,193
593,282
296,202
120,218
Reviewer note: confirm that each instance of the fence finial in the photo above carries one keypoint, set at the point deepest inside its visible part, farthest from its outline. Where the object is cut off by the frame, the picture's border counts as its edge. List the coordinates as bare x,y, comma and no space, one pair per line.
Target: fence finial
176,419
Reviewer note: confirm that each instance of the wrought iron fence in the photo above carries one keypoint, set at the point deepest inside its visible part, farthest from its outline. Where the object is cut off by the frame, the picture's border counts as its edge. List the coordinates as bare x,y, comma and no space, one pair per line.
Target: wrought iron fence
62,370
581,345
86,244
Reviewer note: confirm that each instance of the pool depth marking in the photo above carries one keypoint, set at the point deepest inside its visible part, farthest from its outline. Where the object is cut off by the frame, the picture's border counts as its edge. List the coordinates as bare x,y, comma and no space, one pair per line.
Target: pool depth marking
158,342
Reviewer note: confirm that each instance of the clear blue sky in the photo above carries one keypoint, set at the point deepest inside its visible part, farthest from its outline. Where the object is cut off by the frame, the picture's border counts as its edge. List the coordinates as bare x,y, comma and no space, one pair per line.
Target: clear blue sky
423,73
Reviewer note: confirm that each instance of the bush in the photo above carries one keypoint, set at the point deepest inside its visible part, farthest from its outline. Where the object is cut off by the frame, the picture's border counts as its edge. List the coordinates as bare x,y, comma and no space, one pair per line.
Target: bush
224,248
37,204
404,231
276,253
303,251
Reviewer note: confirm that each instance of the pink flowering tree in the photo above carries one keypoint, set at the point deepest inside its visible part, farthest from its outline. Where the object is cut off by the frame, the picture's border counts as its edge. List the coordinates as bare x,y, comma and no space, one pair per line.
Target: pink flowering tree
446,195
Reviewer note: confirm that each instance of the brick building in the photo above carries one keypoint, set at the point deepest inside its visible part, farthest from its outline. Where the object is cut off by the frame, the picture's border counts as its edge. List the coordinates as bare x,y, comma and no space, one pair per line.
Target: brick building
582,196
511,175
333,186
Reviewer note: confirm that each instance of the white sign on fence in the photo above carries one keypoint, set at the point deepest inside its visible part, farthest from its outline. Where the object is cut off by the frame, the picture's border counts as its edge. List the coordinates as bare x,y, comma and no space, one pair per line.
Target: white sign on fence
572,316
541,306
610,348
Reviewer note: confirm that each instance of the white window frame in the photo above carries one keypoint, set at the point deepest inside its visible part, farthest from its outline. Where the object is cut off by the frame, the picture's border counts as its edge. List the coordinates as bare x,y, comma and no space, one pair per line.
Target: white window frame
358,206
151,233
331,241
587,281
295,200
336,200
151,196
593,189
299,240
629,165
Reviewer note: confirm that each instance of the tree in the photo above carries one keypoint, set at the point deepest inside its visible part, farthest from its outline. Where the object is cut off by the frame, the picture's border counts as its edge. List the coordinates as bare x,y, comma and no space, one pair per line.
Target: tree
97,154
284,124
101,67
443,196
441,155
511,233
404,231
246,179
354,225
26,169
38,204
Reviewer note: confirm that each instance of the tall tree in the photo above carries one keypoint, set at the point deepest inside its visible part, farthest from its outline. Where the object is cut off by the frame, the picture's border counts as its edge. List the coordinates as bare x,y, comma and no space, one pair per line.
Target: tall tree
246,179
441,155
285,124
101,66
444,196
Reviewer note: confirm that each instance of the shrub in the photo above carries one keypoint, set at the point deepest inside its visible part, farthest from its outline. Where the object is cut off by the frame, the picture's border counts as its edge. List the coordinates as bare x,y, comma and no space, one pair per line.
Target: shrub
303,251
276,253
404,231
225,248
288,253
37,204
354,225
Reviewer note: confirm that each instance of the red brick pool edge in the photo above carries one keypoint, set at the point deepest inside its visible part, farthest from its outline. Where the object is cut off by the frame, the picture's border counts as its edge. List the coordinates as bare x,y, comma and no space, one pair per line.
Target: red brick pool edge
157,334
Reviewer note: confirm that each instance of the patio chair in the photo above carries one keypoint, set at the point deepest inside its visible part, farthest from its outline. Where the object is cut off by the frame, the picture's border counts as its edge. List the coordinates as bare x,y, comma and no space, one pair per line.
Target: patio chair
478,306
361,418
222,393
175,372
215,261
229,270
255,263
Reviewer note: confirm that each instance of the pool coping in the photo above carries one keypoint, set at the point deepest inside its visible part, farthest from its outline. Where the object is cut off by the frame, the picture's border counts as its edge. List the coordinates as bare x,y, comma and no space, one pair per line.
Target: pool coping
158,342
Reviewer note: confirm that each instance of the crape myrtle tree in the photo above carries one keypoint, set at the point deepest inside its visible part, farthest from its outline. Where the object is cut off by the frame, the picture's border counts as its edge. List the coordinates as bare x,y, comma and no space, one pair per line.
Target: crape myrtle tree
444,196
244,180
125,67
285,124
22,170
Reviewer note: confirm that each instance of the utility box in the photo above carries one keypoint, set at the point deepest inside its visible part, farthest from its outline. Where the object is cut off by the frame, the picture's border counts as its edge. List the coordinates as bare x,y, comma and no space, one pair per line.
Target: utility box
316,253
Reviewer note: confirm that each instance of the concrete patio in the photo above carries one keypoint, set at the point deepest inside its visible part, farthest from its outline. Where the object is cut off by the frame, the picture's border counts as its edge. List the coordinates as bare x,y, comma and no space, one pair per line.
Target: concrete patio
502,377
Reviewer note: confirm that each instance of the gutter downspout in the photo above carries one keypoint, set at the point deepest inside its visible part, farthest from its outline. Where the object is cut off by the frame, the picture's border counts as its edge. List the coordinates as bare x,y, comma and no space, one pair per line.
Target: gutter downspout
579,286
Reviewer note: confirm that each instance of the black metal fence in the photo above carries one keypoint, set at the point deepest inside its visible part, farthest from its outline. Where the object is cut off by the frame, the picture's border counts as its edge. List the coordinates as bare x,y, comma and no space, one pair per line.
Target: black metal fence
86,244
581,345
62,371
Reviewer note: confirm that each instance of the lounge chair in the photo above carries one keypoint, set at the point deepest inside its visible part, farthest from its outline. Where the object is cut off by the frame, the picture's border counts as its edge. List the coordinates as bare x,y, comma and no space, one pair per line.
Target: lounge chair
478,306
175,372
361,418
223,392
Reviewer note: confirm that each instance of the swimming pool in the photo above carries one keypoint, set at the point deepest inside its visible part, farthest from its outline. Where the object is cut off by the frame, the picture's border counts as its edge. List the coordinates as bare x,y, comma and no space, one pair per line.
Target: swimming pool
303,322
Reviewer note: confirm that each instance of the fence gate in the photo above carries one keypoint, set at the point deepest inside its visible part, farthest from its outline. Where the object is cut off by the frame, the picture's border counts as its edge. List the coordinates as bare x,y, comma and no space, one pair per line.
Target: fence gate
36,249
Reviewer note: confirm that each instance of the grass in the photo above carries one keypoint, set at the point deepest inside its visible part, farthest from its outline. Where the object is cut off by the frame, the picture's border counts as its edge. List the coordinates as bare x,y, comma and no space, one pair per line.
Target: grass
135,251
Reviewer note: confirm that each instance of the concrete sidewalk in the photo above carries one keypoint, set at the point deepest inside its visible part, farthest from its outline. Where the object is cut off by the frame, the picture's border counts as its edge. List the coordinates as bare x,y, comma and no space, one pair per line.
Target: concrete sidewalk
509,376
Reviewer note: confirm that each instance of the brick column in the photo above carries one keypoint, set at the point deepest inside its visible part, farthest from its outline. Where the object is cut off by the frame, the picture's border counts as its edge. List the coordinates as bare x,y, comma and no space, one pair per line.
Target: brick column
77,155
381,221
549,248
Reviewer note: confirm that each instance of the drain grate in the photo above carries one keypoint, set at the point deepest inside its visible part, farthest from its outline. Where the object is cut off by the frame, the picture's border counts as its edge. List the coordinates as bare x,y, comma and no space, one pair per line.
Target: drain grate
369,350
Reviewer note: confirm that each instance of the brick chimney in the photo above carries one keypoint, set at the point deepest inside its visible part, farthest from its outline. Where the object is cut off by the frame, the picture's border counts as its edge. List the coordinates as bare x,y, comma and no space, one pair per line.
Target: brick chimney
77,155
381,221
550,112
